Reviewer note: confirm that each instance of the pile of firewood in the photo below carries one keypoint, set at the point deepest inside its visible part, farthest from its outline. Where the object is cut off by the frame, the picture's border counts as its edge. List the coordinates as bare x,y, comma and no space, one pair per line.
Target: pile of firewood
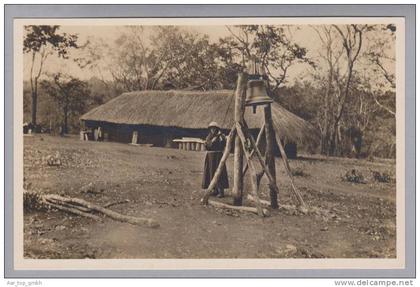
33,200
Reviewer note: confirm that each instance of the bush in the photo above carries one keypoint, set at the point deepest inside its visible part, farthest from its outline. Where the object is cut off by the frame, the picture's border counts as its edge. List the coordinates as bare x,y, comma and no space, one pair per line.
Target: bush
354,176
381,177
298,171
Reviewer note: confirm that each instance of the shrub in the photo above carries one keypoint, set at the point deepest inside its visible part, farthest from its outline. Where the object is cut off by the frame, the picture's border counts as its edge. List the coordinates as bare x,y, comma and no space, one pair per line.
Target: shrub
298,171
381,177
354,176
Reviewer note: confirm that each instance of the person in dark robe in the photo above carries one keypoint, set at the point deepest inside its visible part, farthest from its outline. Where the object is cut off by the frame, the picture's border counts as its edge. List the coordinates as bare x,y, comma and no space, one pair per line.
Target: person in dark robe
215,145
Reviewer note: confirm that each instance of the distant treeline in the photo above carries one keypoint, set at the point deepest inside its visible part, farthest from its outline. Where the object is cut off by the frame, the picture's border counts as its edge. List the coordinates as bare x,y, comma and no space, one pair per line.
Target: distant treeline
377,125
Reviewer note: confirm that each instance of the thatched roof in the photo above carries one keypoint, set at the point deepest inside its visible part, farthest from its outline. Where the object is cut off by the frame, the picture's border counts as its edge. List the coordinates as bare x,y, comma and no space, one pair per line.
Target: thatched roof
194,110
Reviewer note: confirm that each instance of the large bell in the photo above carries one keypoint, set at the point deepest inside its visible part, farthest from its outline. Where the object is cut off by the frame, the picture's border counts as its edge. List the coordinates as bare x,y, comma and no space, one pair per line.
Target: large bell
256,94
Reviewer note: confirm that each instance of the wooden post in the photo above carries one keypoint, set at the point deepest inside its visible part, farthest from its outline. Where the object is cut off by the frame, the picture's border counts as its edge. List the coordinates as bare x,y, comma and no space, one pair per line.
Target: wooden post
134,139
296,193
238,180
269,152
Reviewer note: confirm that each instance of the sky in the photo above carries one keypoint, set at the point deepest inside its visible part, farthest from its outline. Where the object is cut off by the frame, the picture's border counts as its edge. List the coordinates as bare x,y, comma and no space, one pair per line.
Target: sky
305,36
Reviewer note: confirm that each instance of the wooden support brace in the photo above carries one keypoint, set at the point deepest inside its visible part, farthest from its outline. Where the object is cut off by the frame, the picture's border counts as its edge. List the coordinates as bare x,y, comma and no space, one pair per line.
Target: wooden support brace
271,180
218,204
259,137
296,192
254,183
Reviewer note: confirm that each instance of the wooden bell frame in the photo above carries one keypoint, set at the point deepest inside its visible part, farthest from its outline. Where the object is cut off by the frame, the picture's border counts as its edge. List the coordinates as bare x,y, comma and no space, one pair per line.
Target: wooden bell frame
246,145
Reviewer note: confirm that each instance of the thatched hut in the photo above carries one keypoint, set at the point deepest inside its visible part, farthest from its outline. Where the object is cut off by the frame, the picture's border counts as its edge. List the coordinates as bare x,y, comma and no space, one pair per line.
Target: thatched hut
159,117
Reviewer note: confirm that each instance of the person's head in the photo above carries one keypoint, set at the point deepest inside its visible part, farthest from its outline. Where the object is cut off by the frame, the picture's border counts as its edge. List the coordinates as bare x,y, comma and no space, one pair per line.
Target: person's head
214,127
214,130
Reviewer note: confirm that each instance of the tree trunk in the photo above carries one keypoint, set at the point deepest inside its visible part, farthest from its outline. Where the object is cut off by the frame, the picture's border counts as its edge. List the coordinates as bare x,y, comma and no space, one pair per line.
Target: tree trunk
269,152
65,125
34,106
34,91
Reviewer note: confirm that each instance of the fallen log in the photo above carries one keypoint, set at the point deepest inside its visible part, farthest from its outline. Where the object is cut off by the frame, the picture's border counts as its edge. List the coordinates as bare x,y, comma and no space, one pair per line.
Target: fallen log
116,203
75,211
114,215
81,207
222,205
78,207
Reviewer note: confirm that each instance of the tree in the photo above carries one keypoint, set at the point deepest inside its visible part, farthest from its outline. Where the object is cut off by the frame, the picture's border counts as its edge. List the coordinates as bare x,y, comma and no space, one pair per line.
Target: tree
148,58
381,58
229,66
42,41
188,59
341,49
153,58
271,46
69,93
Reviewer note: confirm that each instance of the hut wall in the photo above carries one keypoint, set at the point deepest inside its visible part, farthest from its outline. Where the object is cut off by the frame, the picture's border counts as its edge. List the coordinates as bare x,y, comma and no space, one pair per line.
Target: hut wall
291,150
164,136
157,136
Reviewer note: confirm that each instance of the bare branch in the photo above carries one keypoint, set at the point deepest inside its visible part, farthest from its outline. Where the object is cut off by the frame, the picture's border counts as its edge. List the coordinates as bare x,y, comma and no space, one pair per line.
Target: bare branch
383,106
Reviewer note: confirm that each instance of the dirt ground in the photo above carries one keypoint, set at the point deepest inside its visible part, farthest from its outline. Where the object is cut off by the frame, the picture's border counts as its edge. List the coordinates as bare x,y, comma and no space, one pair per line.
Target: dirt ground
351,220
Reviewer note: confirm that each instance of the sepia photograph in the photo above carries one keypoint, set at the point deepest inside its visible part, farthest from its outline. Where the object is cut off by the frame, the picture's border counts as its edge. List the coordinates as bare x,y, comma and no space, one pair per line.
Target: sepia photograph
211,139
